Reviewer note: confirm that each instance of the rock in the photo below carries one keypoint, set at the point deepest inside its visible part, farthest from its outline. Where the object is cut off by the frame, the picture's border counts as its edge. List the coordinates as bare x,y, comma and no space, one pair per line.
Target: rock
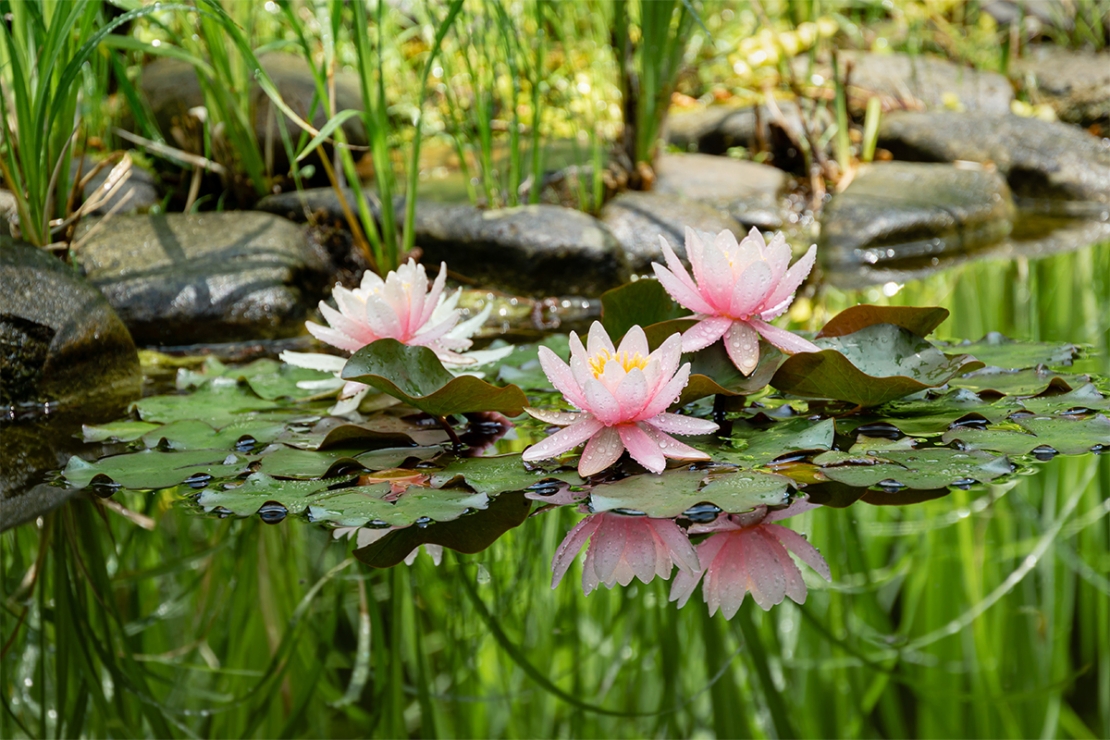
1075,83
1051,167
903,214
531,250
172,89
61,341
638,219
916,83
717,129
8,212
182,279
142,184
749,192
321,205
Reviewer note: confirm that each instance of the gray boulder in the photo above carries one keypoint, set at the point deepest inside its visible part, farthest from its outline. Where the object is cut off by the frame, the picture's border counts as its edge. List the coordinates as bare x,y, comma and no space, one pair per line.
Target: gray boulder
637,220
181,279
531,250
1050,166
60,341
1075,83
916,83
905,215
172,89
716,129
749,192
142,185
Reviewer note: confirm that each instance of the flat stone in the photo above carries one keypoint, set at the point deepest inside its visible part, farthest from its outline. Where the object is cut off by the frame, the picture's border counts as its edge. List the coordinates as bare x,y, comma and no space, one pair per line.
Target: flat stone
1050,166
180,279
531,250
61,341
916,83
172,89
637,220
749,192
716,129
1075,83
899,213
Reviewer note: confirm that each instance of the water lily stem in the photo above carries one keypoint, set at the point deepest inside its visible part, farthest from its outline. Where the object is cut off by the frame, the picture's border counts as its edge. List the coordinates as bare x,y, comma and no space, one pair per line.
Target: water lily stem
455,441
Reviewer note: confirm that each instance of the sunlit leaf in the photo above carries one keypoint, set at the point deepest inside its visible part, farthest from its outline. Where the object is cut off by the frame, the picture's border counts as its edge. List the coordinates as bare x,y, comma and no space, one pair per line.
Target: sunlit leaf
919,321
416,376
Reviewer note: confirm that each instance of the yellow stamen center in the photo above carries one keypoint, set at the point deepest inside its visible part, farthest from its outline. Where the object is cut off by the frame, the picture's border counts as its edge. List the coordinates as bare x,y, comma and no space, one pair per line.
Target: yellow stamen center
603,358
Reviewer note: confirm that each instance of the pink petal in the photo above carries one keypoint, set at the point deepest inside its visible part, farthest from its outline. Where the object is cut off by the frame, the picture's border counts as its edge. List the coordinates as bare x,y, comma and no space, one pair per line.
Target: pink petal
432,301
777,254
431,335
662,363
382,319
798,506
678,546
765,579
742,345
705,332
671,447
726,582
352,326
800,546
601,403
666,395
750,289
674,264
684,583
333,337
678,424
349,304
570,546
683,294
606,548
642,447
695,248
635,343
716,279
550,416
561,377
640,553
563,440
632,393
598,339
795,585
786,341
792,279
603,449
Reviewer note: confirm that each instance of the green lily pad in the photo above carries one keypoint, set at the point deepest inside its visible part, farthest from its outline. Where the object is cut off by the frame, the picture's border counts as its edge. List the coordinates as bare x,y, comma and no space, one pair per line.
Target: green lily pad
673,492
380,430
749,445
291,462
870,367
116,431
994,381
268,378
414,375
1004,441
918,321
218,405
935,415
642,303
936,467
154,469
713,373
1084,397
193,434
999,351
494,475
345,507
1069,436
522,367
470,534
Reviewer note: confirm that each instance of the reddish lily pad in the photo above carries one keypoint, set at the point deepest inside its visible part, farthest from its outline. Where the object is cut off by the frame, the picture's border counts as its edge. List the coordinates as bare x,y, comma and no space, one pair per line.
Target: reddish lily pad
873,366
416,376
641,303
919,321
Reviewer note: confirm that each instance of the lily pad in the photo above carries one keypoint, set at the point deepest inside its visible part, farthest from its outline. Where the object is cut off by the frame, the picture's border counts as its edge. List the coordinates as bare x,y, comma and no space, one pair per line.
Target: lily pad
494,475
290,462
522,368
193,434
470,534
216,404
642,303
414,375
268,378
379,430
996,381
1004,441
1001,351
937,414
154,469
117,431
1069,436
749,445
1085,397
673,492
870,367
936,467
346,506
918,321
713,373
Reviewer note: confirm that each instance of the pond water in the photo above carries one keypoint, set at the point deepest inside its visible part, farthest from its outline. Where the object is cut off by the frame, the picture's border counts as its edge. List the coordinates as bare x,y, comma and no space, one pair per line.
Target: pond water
260,589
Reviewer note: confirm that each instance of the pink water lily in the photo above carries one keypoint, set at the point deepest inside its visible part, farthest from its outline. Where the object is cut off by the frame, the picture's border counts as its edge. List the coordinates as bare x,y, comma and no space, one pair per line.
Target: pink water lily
623,394
401,307
622,548
740,287
748,554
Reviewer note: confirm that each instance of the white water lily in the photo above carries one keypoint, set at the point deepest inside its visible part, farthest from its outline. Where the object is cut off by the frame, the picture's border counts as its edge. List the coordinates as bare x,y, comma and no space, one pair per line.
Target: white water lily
400,307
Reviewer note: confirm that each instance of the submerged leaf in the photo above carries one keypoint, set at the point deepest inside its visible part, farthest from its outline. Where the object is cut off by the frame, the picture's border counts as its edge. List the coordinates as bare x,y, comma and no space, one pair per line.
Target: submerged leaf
416,376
